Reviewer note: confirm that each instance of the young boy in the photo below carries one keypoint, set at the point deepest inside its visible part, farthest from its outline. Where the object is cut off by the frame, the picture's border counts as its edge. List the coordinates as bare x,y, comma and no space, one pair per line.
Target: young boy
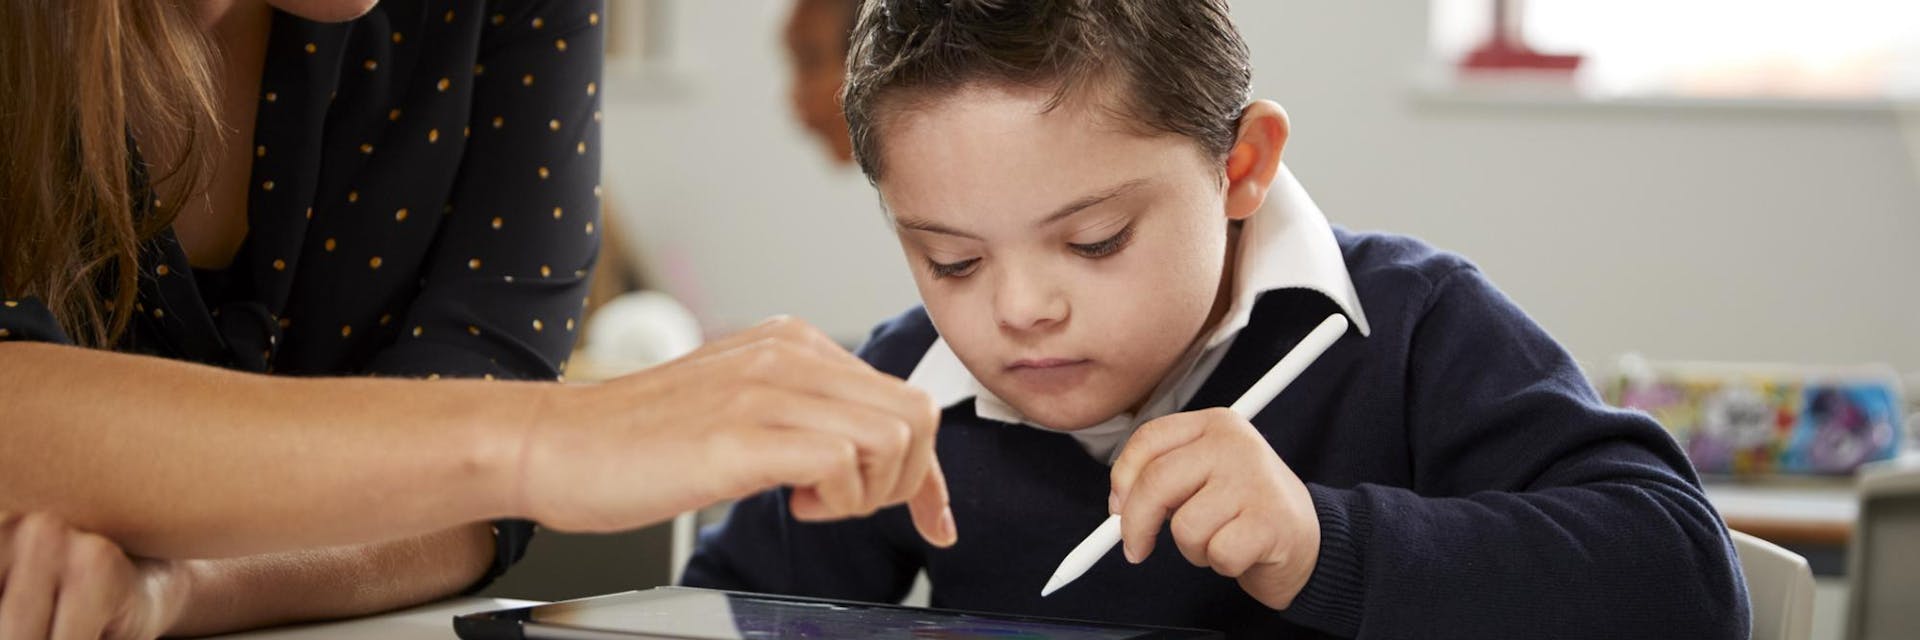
1109,250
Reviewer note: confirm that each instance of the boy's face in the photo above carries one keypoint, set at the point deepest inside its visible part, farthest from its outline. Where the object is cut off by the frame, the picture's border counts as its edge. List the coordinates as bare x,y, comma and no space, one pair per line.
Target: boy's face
1068,262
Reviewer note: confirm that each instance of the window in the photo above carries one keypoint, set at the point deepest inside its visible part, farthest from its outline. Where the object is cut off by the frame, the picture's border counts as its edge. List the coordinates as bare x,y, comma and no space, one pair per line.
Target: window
1793,49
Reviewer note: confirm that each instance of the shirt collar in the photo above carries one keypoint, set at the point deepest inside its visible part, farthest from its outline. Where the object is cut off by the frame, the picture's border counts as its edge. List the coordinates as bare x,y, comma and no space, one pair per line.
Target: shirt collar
1287,244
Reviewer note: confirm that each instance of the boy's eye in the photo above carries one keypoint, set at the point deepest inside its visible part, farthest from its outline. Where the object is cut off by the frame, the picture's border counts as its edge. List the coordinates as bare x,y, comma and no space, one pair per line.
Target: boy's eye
952,269
1105,247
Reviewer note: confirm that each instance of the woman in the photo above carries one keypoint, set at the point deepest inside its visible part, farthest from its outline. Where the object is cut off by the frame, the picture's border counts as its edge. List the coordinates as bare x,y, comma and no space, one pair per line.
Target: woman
215,210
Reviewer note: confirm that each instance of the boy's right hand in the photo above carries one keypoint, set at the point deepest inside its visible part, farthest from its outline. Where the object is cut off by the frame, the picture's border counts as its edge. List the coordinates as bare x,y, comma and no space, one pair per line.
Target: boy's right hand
1228,499
776,405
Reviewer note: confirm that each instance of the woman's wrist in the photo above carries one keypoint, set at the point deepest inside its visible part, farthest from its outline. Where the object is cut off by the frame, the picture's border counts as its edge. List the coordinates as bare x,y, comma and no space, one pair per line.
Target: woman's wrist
458,445
499,434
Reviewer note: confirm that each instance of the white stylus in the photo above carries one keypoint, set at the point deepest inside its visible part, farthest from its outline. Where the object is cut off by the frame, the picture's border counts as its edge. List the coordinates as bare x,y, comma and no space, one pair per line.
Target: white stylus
1103,539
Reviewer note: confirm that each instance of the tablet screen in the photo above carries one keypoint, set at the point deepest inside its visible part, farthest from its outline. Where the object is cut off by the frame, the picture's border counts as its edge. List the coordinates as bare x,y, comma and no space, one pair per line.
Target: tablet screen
719,615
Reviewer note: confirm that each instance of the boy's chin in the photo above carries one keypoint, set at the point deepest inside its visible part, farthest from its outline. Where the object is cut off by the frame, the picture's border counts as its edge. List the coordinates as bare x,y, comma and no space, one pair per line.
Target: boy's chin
1068,418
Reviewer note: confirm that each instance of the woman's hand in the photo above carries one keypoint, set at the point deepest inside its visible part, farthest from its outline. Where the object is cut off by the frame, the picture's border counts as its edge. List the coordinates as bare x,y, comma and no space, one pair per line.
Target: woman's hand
66,584
776,405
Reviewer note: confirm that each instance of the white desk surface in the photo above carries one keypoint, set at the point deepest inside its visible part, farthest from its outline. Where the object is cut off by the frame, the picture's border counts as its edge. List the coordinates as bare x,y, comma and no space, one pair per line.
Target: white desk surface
1835,504
426,622
1788,504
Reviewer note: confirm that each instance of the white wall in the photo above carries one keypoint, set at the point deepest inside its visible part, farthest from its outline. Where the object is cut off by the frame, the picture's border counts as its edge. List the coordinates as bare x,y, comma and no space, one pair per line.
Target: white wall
734,209
1698,233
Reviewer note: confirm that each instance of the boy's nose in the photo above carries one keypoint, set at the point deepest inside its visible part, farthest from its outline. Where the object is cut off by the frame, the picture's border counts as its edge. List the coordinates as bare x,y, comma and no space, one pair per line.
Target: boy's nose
1029,306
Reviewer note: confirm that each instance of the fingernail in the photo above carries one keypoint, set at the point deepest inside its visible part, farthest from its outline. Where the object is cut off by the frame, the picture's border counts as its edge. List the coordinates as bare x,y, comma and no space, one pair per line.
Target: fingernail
1127,550
948,531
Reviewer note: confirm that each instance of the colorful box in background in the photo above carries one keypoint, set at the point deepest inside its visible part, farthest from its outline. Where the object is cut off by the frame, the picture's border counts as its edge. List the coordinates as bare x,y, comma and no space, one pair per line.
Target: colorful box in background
1749,420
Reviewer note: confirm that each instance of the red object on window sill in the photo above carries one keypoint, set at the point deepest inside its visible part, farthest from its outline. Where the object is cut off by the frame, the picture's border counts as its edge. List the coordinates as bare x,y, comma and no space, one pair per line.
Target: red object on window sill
1499,55
1506,50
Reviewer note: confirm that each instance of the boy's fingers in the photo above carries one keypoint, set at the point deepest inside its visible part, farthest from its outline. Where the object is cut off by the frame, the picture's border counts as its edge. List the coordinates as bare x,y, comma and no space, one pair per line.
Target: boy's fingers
1152,439
1237,546
1195,523
1163,486
932,509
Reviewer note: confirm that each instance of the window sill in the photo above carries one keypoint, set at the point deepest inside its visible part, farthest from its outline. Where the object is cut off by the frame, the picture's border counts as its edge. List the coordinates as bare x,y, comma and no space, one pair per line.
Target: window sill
1440,88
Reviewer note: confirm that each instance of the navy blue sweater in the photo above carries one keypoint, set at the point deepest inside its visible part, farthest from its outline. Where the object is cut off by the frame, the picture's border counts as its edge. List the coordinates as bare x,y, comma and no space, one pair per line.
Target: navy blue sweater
1468,480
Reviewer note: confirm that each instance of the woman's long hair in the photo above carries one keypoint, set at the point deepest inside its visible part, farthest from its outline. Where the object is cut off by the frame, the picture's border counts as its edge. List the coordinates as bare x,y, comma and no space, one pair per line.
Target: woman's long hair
80,80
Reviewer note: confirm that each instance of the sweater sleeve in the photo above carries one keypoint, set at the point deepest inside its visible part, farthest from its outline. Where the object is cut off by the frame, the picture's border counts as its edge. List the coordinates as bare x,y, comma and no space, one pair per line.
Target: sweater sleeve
1535,507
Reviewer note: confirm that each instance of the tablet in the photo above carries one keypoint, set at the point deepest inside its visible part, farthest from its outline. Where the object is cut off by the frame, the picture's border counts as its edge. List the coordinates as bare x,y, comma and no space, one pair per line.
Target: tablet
702,614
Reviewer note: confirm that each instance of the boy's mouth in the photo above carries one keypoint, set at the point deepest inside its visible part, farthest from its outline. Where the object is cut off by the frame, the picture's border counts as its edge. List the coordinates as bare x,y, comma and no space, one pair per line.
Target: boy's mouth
1049,375
1044,363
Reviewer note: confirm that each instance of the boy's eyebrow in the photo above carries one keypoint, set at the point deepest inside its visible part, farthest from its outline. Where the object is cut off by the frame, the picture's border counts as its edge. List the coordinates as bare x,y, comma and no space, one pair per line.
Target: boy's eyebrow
1088,201
1058,214
930,227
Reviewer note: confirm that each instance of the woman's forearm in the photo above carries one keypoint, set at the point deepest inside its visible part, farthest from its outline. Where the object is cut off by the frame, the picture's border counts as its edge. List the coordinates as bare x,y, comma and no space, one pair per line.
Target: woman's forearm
231,594
175,460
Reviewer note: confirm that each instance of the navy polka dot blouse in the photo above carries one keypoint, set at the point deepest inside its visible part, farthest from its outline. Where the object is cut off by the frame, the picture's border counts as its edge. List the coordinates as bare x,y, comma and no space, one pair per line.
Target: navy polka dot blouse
424,203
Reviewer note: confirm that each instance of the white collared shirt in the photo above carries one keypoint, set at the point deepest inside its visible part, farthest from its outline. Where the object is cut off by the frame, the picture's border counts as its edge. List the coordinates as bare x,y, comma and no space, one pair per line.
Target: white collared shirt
1286,244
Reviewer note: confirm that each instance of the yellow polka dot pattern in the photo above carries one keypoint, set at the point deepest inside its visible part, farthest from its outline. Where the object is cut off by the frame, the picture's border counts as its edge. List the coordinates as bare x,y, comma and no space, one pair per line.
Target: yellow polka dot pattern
414,76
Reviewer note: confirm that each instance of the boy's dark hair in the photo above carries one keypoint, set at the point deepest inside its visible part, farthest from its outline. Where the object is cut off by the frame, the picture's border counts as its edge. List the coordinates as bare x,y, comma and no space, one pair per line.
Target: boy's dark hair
1174,66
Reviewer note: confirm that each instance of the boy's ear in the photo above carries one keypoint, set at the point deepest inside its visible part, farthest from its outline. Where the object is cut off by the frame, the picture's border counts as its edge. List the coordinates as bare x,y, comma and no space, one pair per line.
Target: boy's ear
1255,158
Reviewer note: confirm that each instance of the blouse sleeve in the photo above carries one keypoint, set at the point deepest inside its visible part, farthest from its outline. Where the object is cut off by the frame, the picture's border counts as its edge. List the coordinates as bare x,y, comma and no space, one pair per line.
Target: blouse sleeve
29,320
506,281
503,288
